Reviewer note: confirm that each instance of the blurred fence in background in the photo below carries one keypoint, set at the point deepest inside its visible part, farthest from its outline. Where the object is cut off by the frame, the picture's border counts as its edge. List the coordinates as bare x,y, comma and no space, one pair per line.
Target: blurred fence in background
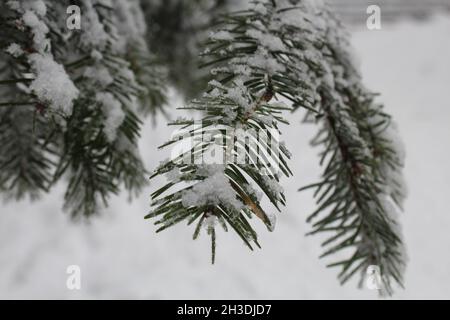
354,11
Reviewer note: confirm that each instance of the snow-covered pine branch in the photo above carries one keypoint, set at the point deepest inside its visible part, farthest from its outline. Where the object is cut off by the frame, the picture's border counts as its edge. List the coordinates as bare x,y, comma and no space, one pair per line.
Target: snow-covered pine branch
250,58
362,187
79,94
150,74
100,143
178,29
31,81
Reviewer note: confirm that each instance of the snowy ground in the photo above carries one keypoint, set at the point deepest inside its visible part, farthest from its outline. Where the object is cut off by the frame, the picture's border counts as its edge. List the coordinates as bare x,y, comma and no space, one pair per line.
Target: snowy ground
121,257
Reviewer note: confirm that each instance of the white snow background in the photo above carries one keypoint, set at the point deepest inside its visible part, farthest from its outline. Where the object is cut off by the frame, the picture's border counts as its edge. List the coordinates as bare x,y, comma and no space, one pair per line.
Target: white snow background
121,256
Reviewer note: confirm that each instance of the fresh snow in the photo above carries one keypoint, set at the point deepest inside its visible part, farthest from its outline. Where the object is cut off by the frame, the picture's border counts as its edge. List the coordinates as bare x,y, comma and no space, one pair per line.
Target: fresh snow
15,50
112,109
99,74
221,35
213,190
39,30
52,84
94,34
121,257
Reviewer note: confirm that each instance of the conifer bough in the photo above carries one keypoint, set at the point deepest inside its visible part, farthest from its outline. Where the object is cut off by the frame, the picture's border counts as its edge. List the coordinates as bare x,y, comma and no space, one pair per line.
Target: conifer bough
72,102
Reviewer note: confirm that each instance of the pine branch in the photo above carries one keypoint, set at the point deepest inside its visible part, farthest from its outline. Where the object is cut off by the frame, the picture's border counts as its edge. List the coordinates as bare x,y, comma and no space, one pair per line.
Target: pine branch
26,160
27,155
362,177
152,78
99,145
110,81
251,57
175,34
149,71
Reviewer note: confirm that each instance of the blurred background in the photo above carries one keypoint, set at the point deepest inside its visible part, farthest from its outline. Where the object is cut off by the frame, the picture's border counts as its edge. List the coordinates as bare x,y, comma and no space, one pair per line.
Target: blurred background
120,255
392,10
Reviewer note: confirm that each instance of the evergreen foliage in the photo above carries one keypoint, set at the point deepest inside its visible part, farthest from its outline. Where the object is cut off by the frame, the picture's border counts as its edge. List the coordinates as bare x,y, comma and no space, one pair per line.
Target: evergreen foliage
299,54
73,102
104,72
